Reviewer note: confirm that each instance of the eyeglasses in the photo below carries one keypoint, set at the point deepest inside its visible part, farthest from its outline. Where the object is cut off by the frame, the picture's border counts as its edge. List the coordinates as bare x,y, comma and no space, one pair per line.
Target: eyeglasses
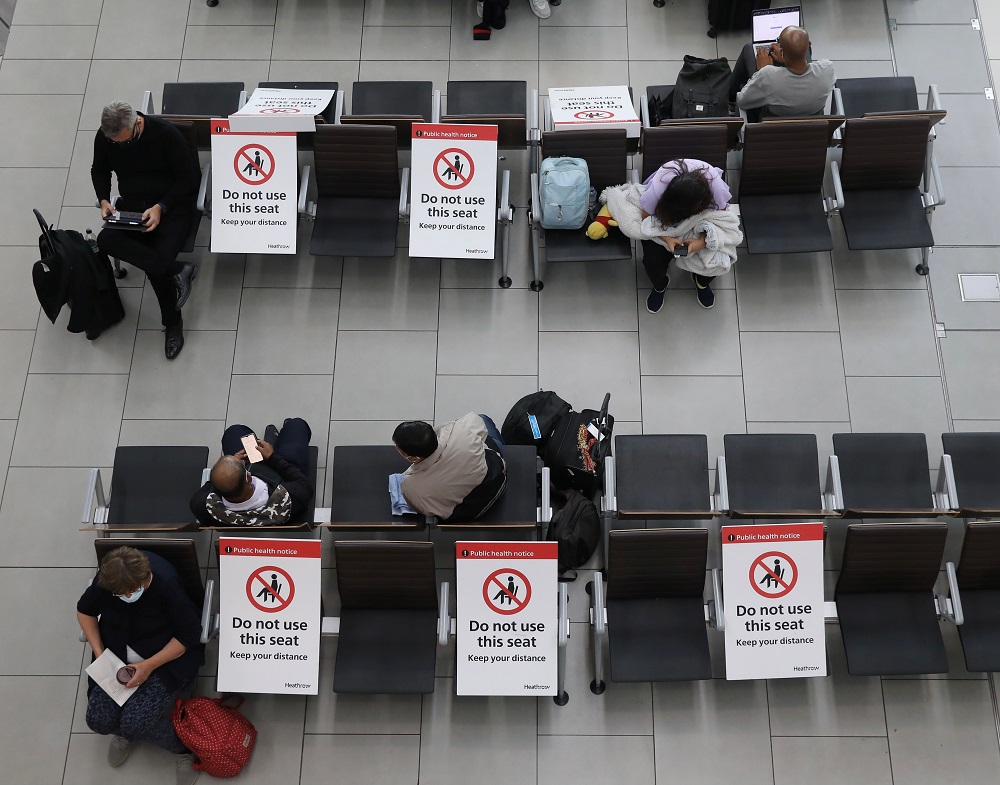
132,138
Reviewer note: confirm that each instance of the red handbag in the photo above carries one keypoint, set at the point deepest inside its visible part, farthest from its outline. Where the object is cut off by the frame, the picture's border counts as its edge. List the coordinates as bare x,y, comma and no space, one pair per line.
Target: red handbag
221,738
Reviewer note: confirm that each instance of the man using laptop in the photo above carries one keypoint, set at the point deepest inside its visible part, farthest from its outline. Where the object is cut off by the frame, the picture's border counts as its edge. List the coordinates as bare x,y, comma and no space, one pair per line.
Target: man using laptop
158,178
779,80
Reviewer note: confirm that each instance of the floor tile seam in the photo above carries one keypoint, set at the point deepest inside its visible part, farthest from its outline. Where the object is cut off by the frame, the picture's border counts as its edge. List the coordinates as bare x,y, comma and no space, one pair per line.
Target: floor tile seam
813,737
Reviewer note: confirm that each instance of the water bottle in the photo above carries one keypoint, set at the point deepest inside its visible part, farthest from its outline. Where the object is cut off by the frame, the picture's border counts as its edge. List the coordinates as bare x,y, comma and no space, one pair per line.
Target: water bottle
91,240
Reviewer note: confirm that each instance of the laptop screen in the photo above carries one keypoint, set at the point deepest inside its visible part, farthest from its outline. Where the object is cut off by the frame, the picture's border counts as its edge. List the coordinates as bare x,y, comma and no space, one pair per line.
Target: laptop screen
769,22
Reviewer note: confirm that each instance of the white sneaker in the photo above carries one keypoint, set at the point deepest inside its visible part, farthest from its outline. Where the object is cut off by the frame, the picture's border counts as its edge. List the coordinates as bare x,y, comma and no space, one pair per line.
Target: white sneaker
118,751
541,8
479,8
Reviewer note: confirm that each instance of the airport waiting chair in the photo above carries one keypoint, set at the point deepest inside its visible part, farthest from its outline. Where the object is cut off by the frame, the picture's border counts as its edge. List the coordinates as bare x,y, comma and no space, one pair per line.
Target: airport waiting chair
197,102
781,187
664,93
878,185
329,114
396,104
876,475
858,97
360,496
970,465
702,142
978,596
361,195
654,615
771,476
151,490
834,122
605,152
885,599
389,627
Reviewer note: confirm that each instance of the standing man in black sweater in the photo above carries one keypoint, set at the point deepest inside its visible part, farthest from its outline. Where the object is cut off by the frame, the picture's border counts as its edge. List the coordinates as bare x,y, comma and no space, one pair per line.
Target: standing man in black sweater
157,176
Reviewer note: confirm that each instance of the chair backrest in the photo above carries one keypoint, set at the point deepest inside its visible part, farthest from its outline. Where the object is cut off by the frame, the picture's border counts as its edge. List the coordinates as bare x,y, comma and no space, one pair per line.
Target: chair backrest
201,99
386,575
979,564
604,150
934,115
833,122
884,472
182,554
487,97
783,157
656,563
329,113
190,134
356,160
878,94
703,142
974,460
393,99
512,129
884,153
892,557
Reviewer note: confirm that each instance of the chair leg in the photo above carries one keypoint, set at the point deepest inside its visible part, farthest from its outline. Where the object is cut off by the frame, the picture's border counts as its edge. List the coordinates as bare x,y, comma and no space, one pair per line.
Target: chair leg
923,268
505,281
536,285
121,272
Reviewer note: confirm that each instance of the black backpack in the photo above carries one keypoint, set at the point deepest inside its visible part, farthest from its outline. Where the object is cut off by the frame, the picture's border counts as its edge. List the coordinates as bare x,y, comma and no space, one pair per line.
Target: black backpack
577,447
702,88
576,527
532,419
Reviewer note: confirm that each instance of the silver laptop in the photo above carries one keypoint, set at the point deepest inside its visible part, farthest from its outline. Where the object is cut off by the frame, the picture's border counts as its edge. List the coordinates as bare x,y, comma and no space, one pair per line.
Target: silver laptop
769,22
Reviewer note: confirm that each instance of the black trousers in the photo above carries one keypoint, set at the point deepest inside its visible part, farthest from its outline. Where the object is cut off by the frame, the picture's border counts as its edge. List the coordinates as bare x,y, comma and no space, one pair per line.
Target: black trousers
744,67
292,443
656,259
155,253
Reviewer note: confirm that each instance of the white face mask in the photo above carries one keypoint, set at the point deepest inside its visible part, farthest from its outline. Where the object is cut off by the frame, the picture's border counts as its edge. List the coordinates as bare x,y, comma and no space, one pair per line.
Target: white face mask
134,596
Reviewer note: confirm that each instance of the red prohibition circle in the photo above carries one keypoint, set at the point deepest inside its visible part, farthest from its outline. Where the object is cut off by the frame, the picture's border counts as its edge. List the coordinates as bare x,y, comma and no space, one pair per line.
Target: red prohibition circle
759,562
241,159
255,582
594,114
492,584
462,181
280,110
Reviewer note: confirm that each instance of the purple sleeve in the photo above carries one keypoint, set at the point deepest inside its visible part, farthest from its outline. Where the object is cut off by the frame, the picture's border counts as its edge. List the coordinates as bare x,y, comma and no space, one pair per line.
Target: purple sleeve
658,181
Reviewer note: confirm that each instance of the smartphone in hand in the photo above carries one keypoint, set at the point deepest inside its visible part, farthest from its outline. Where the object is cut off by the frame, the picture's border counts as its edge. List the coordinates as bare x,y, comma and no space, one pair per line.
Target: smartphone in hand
250,445
680,250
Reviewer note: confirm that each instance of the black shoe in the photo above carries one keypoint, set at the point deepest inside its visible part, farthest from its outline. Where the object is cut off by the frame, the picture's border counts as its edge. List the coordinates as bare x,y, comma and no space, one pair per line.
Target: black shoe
271,435
174,341
706,297
183,281
654,302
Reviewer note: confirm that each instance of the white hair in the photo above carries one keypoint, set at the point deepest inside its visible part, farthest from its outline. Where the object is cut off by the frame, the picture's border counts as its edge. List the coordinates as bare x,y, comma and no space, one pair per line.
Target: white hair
117,116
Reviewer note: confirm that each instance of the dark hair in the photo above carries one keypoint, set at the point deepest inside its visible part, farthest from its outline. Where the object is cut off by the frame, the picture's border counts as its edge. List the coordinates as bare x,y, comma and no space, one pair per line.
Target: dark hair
416,438
689,193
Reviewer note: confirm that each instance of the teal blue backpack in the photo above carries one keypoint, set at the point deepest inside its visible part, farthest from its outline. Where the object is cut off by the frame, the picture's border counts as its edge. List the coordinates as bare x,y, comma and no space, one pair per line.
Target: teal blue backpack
564,191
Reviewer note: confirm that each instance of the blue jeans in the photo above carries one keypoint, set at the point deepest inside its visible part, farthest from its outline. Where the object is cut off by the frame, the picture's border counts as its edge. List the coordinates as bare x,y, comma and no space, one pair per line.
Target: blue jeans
493,432
292,443
144,717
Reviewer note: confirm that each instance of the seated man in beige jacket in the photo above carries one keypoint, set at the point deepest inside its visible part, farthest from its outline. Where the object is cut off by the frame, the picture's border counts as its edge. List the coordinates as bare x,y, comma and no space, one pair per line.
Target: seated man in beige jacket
457,470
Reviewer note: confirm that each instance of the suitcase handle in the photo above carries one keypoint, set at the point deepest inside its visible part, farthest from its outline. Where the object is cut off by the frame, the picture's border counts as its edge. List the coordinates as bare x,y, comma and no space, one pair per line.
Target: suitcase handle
45,231
603,417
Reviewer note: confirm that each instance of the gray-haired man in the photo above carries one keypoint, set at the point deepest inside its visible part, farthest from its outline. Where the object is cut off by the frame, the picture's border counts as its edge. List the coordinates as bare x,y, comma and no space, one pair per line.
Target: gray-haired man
157,176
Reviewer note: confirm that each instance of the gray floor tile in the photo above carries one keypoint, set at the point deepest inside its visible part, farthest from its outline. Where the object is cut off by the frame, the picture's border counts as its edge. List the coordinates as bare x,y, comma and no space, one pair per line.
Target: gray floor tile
35,757
949,308
972,370
57,12
568,759
116,41
899,404
344,72
968,136
363,389
18,304
889,269
957,12
405,43
58,351
44,414
685,338
257,400
360,760
259,12
853,69
654,33
403,13
174,433
490,395
303,340
567,43
712,405
215,295
562,366
902,321
647,73
794,376
694,720
86,763
390,294
598,296
79,187
495,69
966,219
849,30
54,77
51,42
109,81
958,714
41,189
517,41
250,72
306,31
587,13
7,429
476,274
301,271
225,42
196,382
977,425
450,723
786,292
580,73
964,72
15,356
471,320
831,760
434,71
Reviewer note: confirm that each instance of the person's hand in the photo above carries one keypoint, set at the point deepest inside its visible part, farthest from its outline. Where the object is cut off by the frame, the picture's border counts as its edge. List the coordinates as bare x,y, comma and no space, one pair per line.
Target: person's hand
143,670
777,56
241,456
695,245
151,218
106,209
267,450
764,56
672,242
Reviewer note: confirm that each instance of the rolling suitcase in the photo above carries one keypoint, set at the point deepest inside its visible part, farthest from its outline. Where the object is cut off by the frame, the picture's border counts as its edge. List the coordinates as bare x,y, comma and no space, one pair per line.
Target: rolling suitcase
732,14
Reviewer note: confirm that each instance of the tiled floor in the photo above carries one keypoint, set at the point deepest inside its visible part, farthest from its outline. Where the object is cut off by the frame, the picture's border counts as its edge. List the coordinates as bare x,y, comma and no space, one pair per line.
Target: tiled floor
816,343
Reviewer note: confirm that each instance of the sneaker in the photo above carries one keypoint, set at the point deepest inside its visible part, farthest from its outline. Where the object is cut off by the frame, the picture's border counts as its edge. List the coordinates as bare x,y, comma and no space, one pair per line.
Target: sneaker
654,302
706,297
541,8
271,435
118,751
174,340
183,281
479,8
187,774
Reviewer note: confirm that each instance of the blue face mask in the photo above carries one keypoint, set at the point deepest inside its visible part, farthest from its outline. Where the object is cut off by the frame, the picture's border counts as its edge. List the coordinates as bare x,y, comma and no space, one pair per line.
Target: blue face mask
135,595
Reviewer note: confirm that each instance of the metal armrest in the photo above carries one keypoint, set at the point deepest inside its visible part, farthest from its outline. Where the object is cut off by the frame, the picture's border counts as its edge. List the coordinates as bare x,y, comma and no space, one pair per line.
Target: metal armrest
838,187
94,515
444,617
721,495
546,114
505,210
610,498
535,212
147,103
304,190
330,625
946,493
338,107
598,608
533,131
833,493
933,99
545,514
935,172
404,193
205,474
322,515
206,173
206,611
644,110
830,612
716,610
632,176
950,605
838,102
436,106
243,98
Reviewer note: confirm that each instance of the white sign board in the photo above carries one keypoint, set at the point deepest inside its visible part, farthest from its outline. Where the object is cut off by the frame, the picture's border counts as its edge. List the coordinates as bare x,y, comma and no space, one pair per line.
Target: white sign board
507,638
453,187
279,109
269,604
773,589
254,191
579,108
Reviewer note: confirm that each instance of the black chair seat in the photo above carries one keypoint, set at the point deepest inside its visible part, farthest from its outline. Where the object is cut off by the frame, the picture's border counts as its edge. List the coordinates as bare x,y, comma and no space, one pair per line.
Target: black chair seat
891,633
658,640
154,484
355,227
980,633
876,220
573,245
518,505
884,473
878,94
772,474
660,476
785,223
386,651
974,460
360,494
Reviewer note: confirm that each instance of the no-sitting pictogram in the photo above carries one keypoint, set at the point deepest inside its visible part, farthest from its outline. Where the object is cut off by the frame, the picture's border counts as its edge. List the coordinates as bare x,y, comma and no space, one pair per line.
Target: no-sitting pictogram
280,110
270,589
507,591
773,575
594,114
454,168
254,164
